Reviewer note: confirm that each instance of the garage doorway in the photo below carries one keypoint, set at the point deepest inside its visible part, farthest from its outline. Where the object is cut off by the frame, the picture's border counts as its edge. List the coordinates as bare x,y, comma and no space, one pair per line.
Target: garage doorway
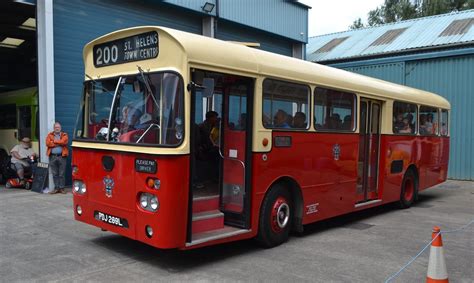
18,75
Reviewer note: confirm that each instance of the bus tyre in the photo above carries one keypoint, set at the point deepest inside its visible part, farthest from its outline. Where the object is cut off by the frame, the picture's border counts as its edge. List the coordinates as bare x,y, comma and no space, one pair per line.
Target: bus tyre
409,190
275,217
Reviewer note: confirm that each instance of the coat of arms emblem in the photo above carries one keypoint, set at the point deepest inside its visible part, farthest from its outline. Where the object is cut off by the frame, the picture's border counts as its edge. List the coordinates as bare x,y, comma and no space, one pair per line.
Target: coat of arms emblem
109,185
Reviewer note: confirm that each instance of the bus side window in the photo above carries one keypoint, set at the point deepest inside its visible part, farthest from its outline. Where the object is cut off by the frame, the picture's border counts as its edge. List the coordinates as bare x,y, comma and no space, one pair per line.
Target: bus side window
283,102
428,120
334,110
404,118
444,131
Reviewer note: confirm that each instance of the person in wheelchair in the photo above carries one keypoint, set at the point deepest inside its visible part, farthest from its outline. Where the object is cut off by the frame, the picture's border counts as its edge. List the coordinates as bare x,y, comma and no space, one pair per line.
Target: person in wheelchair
21,154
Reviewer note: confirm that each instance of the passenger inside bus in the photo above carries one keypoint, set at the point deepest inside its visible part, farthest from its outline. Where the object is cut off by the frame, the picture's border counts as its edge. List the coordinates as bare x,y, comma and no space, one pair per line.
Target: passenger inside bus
130,117
423,125
430,126
299,121
280,119
347,124
398,123
242,121
406,127
207,149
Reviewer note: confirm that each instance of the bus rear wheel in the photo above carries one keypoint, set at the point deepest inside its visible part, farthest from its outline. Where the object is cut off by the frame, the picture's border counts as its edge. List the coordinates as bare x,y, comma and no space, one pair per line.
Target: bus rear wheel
409,190
275,217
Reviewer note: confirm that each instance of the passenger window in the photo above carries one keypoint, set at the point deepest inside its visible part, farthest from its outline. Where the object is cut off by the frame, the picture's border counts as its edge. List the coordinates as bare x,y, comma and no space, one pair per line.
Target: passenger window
285,105
334,110
404,118
444,131
428,120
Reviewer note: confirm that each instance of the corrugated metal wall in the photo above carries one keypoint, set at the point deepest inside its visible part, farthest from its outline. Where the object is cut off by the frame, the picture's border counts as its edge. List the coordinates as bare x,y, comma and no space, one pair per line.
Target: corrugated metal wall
393,72
268,42
78,22
276,16
452,78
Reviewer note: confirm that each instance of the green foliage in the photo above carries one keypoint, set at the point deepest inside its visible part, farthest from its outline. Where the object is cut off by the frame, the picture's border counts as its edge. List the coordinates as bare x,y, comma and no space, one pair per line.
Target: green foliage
399,10
357,24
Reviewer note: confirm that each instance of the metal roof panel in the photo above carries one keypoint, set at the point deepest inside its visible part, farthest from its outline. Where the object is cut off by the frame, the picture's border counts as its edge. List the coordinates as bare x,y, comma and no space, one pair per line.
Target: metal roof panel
419,33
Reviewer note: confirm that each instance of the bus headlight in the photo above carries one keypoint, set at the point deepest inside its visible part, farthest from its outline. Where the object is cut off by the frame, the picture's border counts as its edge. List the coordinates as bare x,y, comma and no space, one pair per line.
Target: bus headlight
79,210
149,202
144,201
154,205
79,187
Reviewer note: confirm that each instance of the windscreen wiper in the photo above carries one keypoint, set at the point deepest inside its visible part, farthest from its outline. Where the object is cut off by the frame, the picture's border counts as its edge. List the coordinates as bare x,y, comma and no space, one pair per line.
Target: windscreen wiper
147,84
117,91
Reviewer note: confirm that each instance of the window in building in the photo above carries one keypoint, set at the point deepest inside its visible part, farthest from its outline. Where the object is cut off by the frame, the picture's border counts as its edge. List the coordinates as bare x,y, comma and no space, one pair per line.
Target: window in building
443,125
285,105
8,120
428,120
404,118
331,45
334,110
388,37
458,27
24,121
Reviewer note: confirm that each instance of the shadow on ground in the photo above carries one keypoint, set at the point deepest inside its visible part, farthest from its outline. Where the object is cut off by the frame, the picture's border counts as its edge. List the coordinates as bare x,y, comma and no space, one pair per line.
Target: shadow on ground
178,261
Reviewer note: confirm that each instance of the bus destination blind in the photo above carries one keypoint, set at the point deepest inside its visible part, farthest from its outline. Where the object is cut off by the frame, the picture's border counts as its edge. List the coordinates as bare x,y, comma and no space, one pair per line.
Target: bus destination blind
133,48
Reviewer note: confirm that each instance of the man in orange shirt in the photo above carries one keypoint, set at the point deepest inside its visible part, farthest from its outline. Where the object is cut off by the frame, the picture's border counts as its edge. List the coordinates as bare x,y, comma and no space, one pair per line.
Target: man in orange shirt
56,141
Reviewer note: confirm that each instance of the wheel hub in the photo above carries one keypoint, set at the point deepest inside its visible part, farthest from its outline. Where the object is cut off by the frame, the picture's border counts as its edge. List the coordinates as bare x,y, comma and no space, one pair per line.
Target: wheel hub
280,215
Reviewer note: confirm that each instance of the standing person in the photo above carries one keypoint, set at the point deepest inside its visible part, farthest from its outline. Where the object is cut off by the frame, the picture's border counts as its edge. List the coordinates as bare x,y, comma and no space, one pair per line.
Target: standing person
56,141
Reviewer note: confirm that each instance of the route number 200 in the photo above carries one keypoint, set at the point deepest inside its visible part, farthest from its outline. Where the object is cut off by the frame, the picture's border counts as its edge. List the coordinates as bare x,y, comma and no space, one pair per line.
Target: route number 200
106,55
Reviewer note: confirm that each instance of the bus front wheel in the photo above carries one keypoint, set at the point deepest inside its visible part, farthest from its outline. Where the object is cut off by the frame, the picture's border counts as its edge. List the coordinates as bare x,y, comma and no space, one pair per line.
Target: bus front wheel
409,189
275,217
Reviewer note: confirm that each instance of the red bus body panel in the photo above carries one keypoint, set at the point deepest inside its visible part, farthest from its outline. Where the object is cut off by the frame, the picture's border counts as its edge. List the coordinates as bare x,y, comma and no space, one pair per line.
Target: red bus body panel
169,223
325,183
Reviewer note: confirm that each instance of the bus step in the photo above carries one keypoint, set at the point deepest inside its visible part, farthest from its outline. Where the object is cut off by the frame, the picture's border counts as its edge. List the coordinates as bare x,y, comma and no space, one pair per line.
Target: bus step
207,221
224,232
206,203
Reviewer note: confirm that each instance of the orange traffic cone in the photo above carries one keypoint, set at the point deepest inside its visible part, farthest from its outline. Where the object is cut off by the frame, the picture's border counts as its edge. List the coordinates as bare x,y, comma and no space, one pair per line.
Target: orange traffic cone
437,266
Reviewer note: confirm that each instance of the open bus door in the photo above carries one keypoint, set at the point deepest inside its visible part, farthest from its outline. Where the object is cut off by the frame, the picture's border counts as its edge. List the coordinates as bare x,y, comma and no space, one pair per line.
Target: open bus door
369,146
220,176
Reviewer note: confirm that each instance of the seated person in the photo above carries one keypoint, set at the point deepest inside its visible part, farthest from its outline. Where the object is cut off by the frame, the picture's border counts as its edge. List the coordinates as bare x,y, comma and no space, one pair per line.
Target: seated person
20,154
347,124
299,121
410,121
333,122
423,125
280,119
130,117
337,121
430,126
406,128
242,121
398,123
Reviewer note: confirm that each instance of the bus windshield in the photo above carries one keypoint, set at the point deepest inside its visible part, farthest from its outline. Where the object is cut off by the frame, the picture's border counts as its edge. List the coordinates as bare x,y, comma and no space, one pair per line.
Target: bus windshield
138,109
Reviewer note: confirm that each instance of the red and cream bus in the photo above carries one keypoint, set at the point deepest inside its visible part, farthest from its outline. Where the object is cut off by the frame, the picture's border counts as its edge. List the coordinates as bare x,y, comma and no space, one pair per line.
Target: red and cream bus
185,141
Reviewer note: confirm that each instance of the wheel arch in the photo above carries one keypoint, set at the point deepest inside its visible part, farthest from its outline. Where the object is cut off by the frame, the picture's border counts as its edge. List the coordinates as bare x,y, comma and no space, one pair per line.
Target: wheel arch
412,167
297,198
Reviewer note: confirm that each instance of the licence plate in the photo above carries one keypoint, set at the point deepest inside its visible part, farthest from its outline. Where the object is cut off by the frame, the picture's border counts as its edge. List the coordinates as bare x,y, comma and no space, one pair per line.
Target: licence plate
110,219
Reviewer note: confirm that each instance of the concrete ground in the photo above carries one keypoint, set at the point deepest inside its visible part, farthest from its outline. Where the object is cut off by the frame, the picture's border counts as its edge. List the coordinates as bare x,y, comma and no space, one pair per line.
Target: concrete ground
40,241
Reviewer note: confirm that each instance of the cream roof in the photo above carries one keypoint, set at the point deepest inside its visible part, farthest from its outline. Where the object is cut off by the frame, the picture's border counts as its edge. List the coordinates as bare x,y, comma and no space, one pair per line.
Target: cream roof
231,56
